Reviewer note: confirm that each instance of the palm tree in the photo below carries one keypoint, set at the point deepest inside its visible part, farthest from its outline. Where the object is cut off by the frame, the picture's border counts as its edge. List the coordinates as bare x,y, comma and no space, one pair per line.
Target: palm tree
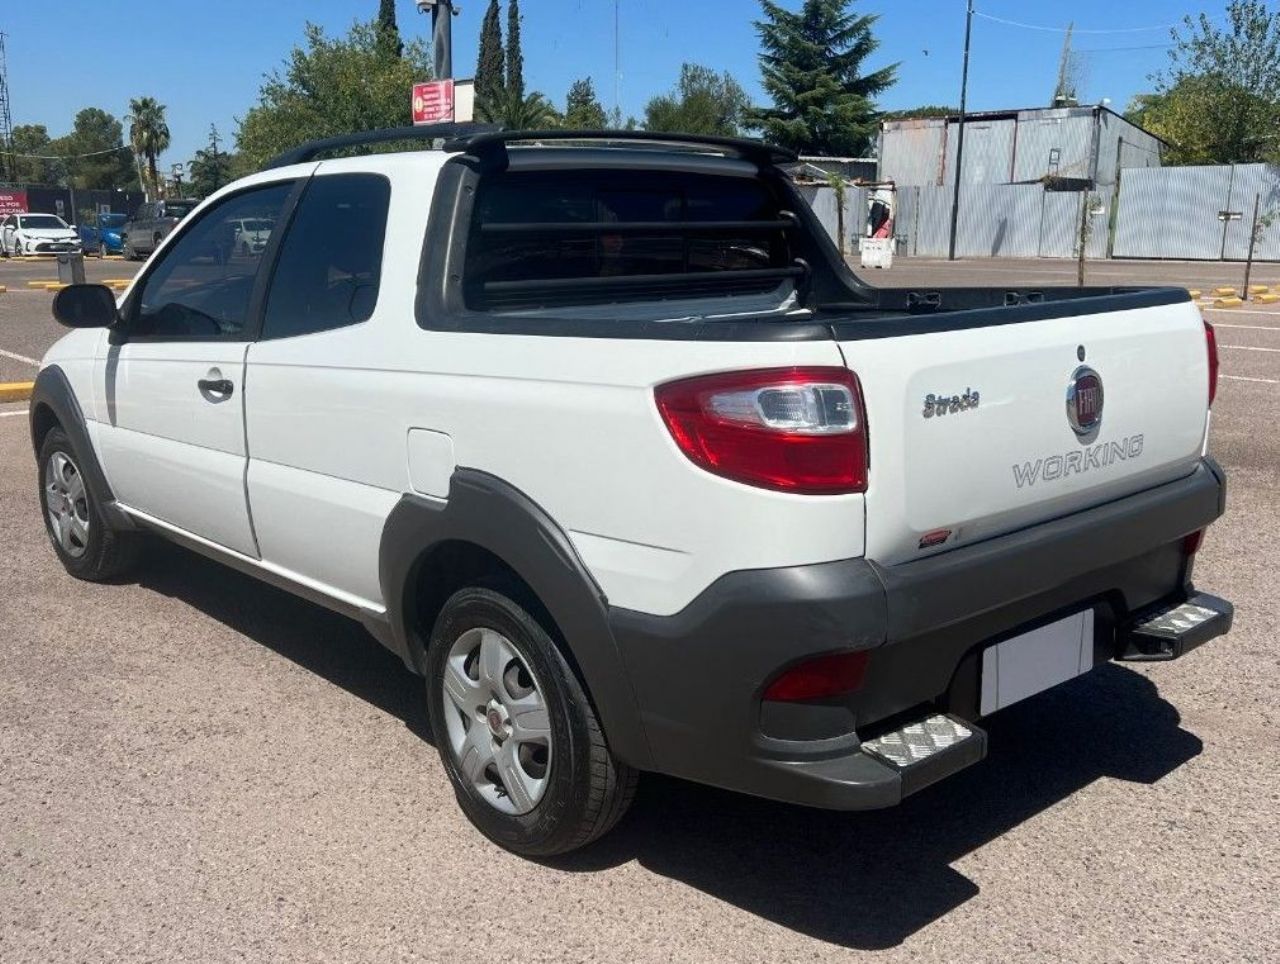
517,112
148,134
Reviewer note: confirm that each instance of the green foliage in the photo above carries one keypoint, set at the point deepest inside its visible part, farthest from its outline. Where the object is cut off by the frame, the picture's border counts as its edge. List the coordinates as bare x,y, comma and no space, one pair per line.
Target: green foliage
148,136
95,131
212,167
928,110
491,65
518,112
811,64
703,102
34,139
389,29
582,109
332,86
515,56
1219,99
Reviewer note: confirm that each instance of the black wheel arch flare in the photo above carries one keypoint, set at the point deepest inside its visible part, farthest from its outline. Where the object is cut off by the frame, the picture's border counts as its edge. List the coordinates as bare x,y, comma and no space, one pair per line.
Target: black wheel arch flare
487,512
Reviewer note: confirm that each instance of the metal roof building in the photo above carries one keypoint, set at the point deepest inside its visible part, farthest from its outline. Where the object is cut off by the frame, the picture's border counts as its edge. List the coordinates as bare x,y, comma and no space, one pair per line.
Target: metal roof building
1016,147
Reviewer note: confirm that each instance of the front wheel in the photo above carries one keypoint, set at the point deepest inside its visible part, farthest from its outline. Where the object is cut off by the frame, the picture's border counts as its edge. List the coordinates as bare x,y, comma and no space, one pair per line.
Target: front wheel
86,545
517,736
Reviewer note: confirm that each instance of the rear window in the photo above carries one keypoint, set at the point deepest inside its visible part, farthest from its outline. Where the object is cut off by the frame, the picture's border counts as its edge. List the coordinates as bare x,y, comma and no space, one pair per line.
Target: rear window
543,239
178,209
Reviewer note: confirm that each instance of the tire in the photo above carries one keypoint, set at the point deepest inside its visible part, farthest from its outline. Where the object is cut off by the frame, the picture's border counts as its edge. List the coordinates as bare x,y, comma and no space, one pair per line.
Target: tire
127,249
102,251
574,792
85,544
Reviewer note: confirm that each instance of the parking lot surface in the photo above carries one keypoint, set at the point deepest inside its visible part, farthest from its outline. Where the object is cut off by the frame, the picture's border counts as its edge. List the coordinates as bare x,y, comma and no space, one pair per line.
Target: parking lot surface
195,766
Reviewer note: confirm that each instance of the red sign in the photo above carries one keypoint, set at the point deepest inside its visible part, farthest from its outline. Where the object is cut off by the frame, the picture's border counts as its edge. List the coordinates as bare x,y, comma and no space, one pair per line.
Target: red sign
13,202
433,102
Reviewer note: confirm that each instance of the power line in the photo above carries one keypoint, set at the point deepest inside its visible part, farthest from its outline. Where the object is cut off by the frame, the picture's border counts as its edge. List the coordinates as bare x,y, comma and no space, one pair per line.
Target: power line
1038,26
62,157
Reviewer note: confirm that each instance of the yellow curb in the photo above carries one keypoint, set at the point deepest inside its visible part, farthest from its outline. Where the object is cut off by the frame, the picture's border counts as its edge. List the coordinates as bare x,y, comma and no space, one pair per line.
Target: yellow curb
1227,303
3,289
16,391
116,281
40,284
1224,291
56,286
1266,299
1194,292
1258,289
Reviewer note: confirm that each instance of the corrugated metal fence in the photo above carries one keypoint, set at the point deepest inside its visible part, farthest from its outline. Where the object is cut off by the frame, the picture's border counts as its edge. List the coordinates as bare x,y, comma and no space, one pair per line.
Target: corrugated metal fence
1173,212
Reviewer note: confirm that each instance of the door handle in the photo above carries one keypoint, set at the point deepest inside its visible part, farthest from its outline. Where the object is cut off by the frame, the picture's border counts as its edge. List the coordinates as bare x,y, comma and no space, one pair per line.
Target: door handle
220,387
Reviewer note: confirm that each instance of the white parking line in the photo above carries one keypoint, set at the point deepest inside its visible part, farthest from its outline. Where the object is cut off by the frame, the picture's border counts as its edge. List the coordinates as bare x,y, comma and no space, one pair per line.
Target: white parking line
1249,327
1245,378
1250,348
21,358
14,414
1237,312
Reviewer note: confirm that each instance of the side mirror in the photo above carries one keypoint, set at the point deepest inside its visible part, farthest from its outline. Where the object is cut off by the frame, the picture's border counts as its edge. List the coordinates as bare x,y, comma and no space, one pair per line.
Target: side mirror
85,306
71,227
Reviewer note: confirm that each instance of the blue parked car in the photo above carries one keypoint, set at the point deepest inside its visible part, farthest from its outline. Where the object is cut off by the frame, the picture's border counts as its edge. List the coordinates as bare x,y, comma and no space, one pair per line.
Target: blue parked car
104,238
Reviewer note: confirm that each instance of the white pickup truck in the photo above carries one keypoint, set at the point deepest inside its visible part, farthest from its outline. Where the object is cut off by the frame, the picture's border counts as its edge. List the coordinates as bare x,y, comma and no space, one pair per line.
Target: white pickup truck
598,432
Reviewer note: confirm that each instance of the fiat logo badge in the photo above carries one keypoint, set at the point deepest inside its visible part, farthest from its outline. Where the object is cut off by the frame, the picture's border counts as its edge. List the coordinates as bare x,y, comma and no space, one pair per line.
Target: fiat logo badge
1084,401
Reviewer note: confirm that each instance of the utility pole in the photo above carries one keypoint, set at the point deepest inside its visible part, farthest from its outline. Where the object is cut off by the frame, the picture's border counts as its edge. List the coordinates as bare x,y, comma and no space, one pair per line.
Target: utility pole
964,90
442,14
217,168
1253,240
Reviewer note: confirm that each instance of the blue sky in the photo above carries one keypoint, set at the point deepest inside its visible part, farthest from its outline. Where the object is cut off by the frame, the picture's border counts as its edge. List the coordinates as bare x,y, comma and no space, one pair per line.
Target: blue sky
206,60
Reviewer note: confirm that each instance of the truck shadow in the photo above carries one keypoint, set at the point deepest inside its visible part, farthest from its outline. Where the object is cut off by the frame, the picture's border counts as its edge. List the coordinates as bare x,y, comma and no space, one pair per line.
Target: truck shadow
859,880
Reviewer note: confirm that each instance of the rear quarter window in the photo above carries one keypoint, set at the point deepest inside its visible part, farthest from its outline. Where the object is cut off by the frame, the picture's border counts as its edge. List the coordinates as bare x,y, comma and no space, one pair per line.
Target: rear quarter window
543,239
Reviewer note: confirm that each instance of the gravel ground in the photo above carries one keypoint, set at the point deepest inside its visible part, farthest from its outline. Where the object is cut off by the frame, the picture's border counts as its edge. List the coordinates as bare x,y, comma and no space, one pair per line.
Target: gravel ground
194,766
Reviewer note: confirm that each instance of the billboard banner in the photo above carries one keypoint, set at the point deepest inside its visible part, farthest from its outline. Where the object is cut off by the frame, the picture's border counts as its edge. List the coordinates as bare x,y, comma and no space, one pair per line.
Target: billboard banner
13,202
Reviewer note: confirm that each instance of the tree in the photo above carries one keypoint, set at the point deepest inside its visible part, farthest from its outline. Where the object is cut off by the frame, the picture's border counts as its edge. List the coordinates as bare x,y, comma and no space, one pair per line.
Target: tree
515,56
703,102
582,108
491,65
927,110
33,140
516,112
332,86
1219,99
148,136
94,132
811,64
389,29
212,167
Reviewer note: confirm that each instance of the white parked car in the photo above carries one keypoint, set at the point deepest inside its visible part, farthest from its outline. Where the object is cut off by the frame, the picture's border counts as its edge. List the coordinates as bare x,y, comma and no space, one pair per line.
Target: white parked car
608,444
251,236
37,234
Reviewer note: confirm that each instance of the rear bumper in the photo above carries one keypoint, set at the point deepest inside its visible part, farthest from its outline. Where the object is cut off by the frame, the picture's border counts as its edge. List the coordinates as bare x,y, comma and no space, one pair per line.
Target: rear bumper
698,675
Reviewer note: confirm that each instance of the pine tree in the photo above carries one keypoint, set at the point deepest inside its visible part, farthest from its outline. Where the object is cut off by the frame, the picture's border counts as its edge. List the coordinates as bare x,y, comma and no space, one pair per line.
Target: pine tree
582,108
811,65
515,57
389,30
491,66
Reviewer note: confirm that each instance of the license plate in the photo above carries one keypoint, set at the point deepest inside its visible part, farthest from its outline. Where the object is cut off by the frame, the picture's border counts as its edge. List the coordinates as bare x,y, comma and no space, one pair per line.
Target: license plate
1032,662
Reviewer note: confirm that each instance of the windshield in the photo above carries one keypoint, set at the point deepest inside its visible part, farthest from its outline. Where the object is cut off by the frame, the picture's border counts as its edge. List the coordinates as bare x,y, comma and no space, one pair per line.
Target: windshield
111,220
42,222
178,209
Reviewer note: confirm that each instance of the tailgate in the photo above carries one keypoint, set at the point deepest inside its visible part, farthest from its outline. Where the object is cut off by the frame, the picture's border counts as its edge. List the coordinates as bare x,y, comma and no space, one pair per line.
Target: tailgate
995,450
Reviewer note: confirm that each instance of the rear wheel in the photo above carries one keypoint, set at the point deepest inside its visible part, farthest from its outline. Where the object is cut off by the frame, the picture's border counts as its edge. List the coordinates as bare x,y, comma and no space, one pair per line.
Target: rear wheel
86,545
516,733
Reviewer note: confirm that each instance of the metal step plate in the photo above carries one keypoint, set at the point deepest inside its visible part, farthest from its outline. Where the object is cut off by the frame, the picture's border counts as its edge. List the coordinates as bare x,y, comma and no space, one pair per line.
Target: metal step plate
926,750
1172,631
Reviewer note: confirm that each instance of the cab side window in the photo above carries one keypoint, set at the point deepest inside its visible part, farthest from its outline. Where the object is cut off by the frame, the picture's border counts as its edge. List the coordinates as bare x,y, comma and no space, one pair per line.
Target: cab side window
330,264
202,287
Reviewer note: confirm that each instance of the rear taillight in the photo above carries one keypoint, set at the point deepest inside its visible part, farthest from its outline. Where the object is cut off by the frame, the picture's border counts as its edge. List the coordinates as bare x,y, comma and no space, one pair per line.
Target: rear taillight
820,678
1211,343
800,430
1191,544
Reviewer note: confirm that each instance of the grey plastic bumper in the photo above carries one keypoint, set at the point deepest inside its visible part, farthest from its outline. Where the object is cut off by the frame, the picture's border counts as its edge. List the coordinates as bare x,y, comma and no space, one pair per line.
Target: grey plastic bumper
698,675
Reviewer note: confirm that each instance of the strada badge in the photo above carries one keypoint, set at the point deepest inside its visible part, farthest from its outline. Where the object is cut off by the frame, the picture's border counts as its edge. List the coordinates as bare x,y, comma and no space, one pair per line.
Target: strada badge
1077,462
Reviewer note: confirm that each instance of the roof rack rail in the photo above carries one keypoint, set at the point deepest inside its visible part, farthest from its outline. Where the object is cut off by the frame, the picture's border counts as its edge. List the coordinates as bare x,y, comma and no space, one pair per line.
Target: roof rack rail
422,132
496,141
